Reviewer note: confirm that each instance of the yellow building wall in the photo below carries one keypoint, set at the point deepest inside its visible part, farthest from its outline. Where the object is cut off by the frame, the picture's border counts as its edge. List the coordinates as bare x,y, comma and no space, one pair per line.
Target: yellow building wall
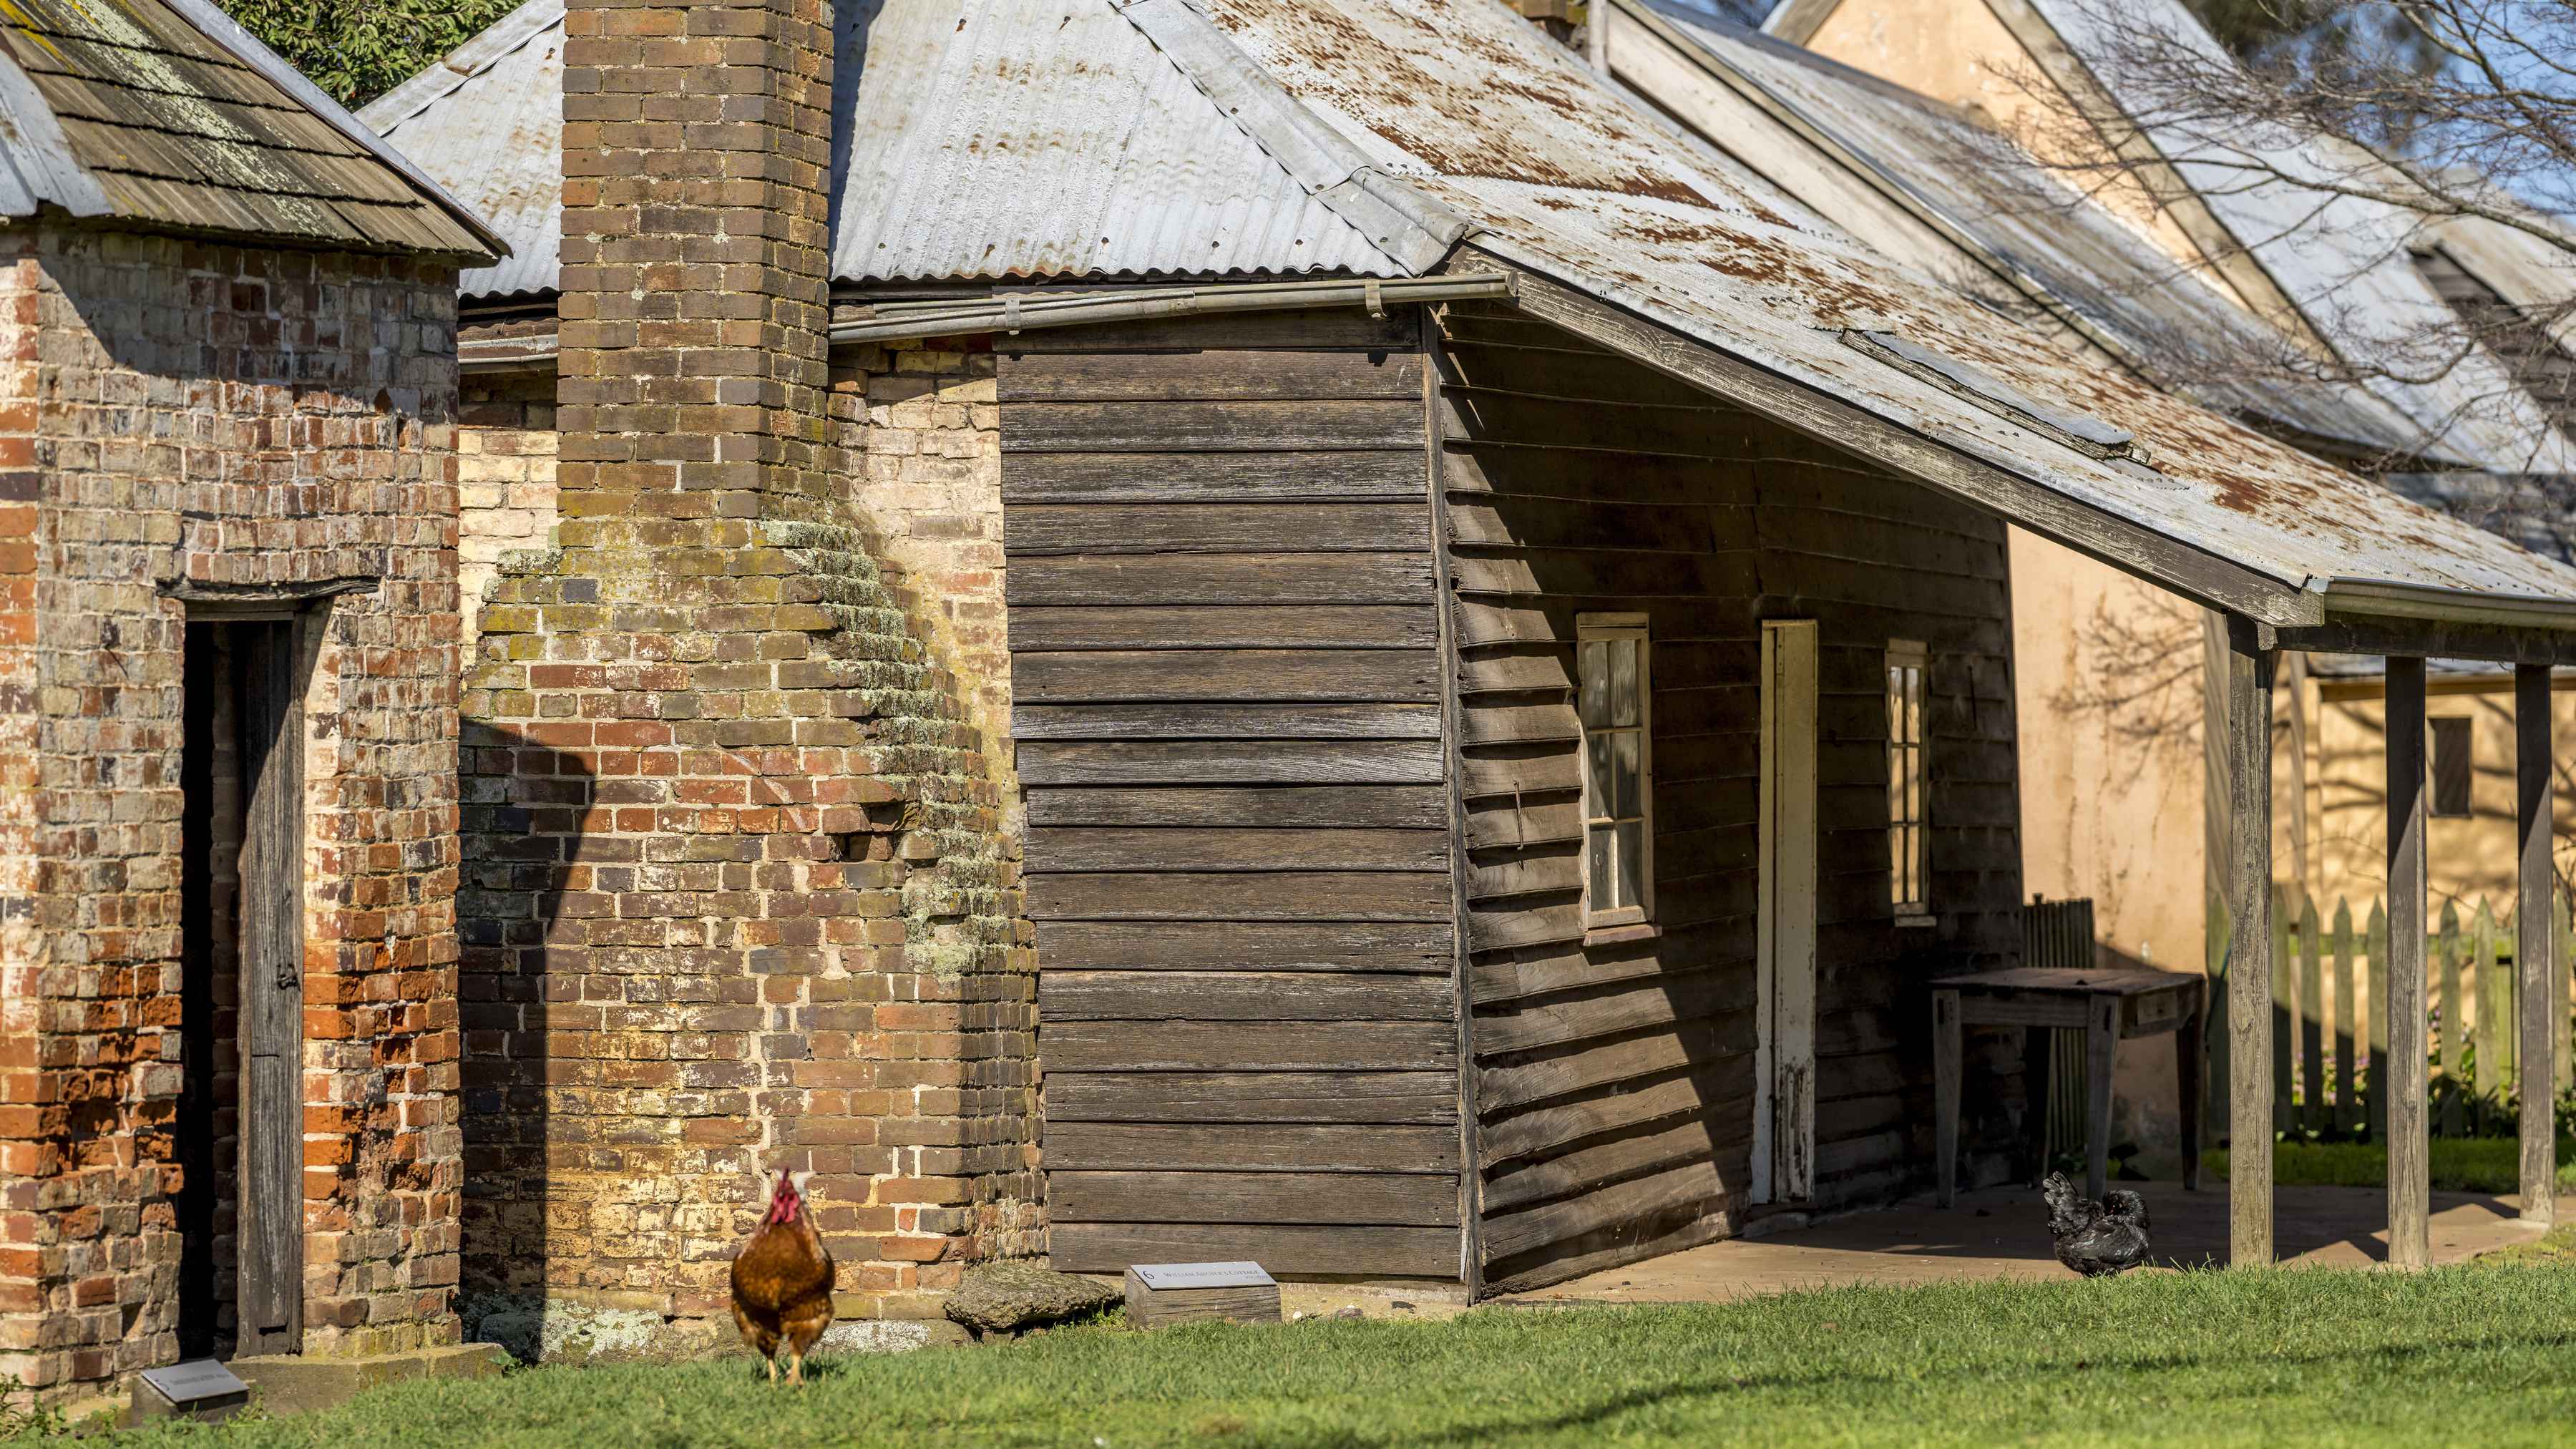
2108,687
2467,858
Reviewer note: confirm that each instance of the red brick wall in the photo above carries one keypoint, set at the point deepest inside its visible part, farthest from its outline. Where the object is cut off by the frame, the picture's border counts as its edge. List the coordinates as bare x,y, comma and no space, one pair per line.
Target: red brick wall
736,891
171,413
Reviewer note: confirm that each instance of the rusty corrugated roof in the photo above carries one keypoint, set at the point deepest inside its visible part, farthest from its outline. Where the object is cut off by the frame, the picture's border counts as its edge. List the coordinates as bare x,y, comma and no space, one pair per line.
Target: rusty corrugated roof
2043,235
1484,120
164,111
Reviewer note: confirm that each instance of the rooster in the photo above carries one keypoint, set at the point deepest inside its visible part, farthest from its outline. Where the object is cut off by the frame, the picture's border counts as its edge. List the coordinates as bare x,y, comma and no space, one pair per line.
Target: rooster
2096,1239
782,1279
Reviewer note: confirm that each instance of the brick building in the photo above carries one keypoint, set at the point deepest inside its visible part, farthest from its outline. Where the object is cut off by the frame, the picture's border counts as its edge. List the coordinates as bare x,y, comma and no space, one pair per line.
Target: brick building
1085,537
227,633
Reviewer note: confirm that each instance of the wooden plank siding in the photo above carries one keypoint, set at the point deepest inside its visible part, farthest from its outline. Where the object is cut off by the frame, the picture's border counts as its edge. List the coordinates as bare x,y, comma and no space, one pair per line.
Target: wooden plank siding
1227,706
1614,1079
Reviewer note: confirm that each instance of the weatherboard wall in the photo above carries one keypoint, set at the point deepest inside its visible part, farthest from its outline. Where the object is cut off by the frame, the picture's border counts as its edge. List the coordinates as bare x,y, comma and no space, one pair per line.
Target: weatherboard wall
1226,703
1613,1075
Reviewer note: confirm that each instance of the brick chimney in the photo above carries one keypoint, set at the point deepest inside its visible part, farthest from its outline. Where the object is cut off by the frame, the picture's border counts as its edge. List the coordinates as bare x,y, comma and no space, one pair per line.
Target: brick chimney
736,892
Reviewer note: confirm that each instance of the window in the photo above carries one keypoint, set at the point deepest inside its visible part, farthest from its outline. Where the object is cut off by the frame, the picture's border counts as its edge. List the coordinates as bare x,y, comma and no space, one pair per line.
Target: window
2453,765
1907,886
1618,769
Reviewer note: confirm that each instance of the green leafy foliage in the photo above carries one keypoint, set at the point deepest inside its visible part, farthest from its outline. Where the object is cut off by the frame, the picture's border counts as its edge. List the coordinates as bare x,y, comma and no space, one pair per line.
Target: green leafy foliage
356,50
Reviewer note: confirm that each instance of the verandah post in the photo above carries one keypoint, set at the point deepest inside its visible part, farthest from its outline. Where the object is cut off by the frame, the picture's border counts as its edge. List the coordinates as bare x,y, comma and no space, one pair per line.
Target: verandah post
2542,995
2249,971
2410,1165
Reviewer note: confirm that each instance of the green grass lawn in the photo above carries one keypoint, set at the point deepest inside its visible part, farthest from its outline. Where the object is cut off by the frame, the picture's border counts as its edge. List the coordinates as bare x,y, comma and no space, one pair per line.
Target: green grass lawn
2482,1354
2461,1164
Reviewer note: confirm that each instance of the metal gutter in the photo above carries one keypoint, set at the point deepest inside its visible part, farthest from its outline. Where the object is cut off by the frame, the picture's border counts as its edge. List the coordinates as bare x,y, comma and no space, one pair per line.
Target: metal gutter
1021,313
2388,599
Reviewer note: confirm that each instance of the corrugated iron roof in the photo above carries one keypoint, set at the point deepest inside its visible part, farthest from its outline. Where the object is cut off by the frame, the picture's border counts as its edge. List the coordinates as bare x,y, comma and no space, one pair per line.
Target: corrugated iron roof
164,111
1047,138
2133,298
1484,119
2342,259
973,139
489,119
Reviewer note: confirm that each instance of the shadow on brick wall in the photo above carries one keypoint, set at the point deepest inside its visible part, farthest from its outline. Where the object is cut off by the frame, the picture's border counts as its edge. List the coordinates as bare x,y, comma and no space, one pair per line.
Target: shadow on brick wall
523,942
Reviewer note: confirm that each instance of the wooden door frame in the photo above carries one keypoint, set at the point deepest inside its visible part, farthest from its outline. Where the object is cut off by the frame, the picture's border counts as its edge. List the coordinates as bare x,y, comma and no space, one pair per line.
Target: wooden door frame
1784,1098
269,653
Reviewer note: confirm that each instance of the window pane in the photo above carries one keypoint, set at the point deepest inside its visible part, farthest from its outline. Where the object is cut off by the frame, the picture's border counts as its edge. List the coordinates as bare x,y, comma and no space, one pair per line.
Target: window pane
1595,674
1597,880
1913,785
1603,797
1623,681
1626,773
1895,705
1896,864
1632,862
1913,706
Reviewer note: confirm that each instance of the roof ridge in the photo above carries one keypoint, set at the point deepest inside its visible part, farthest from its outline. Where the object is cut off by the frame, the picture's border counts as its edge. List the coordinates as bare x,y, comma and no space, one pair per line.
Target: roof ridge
1405,224
451,72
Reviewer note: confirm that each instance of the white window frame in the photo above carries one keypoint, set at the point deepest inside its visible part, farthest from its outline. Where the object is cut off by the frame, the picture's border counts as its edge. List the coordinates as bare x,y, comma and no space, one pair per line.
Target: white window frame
1597,628
1909,846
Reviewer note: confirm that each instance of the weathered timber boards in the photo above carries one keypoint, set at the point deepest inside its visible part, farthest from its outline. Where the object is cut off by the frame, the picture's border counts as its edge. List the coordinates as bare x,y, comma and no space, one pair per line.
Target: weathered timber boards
1429,1098
1270,1046
1611,1010
1261,426
1199,720
1399,946
1553,523
1633,1245
1227,719
1680,1141
1221,896
1694,1187
1299,675
1687,1044
1228,762
1291,1250
1518,770
1536,870
1111,848
1214,477
1261,576
1322,807
1241,996
1266,626
1112,528
1291,1147
1721,1090
1605,574
1503,977
1212,376
1485,416
1393,1199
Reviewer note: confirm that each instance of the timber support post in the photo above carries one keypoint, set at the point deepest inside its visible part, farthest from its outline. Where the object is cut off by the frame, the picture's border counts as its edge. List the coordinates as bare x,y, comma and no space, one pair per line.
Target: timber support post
2250,659
2542,992
2401,1079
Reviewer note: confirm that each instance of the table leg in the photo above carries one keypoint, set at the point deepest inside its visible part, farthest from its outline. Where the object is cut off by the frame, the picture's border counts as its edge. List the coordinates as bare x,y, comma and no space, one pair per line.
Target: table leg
2101,1053
2191,1072
2035,1066
1946,1047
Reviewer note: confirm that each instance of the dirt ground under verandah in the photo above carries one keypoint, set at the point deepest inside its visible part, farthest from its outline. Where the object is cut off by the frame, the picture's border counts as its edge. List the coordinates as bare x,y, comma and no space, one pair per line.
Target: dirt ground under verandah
2002,1234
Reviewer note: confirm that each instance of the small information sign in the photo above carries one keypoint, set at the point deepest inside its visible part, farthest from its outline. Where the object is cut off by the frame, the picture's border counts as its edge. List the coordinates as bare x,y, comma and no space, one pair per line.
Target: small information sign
1202,1275
200,1387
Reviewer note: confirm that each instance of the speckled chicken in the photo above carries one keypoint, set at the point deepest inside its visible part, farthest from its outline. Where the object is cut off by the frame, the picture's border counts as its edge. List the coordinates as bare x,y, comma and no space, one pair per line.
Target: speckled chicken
782,1280
2096,1239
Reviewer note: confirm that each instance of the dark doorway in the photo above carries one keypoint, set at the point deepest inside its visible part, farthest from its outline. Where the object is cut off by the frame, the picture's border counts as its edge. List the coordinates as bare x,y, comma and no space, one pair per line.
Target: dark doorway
241,1131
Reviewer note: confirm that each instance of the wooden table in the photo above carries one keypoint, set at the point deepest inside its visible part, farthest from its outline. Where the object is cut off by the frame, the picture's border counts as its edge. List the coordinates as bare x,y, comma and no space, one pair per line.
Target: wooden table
2107,1005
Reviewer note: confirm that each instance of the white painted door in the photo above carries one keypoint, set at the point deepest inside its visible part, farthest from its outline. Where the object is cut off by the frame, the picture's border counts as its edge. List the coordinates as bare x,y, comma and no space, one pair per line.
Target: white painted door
1784,1069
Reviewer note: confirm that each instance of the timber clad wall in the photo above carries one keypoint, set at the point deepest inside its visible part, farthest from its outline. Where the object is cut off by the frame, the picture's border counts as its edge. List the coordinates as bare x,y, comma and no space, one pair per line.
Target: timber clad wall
1226,691
1613,1081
